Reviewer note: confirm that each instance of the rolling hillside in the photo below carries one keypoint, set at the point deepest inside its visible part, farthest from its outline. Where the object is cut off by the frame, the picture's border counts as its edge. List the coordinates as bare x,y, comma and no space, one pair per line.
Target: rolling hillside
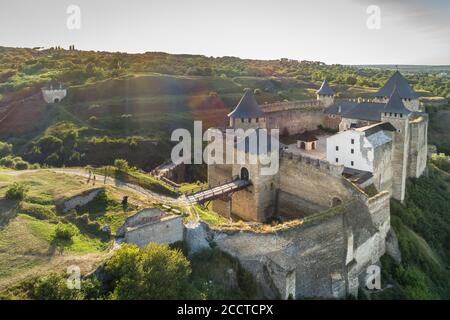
126,105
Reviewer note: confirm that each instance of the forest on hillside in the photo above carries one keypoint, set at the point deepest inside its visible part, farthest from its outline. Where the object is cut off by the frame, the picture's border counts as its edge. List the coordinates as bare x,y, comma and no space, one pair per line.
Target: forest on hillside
21,67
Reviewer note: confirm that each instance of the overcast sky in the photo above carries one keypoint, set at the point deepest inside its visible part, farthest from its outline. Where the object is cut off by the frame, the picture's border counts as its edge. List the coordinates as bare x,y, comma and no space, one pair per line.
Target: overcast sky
332,31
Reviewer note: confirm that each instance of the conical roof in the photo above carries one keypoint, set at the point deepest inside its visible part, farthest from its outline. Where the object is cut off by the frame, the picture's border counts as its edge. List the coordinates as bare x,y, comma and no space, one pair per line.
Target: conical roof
395,104
404,89
325,89
247,107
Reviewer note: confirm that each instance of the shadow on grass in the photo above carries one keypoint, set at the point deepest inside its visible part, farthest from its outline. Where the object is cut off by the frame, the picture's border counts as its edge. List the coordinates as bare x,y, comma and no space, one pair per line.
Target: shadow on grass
58,245
8,210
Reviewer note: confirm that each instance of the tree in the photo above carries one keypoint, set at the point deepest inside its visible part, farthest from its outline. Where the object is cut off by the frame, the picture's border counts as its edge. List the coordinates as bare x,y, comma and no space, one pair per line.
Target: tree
351,80
154,272
5,149
50,144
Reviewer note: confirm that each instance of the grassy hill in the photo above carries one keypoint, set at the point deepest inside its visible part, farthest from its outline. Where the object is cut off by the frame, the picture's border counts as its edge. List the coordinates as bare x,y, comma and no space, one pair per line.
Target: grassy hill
28,246
422,226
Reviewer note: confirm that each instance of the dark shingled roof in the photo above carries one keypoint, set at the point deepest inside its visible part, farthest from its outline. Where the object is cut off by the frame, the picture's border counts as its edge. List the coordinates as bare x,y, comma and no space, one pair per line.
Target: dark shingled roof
247,107
307,137
368,111
395,104
374,128
397,80
325,89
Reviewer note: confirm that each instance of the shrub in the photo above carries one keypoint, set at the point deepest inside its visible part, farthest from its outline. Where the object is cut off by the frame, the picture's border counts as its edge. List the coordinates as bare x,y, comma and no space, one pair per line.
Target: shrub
54,287
16,163
441,161
17,191
64,232
21,165
121,165
154,272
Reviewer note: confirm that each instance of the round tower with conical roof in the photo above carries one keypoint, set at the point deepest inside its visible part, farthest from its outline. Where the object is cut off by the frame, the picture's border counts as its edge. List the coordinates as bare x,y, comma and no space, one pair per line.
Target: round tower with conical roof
248,113
325,94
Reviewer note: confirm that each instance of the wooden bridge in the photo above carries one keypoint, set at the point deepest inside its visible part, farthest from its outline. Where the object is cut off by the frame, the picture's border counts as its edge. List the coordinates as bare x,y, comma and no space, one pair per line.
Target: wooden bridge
216,192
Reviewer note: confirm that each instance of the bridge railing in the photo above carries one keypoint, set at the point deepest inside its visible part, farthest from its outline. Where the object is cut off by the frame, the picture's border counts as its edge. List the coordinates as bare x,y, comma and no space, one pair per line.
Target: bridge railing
203,188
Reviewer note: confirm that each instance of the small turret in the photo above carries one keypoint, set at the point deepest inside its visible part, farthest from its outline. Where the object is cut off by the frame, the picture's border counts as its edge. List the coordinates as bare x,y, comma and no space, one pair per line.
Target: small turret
325,94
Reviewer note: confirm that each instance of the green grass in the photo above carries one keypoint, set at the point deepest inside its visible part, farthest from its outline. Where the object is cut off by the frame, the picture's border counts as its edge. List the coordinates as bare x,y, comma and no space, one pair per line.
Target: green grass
422,226
189,187
148,182
107,211
209,216
79,244
27,228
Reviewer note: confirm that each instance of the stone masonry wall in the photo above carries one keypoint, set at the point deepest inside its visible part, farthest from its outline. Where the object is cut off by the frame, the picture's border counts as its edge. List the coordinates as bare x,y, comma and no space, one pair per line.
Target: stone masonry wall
325,257
166,230
418,146
382,168
294,117
309,185
79,200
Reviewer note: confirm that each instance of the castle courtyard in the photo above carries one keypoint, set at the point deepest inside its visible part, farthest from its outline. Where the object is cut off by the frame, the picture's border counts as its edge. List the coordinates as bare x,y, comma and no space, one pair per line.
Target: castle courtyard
320,151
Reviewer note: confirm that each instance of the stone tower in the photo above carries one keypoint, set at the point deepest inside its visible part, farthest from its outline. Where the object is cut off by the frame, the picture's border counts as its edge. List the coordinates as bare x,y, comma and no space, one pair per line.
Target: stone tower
325,94
247,113
256,202
398,115
409,97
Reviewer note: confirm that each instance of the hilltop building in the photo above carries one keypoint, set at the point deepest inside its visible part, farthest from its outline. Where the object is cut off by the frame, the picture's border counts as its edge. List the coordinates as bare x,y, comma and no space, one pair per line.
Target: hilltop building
383,140
53,93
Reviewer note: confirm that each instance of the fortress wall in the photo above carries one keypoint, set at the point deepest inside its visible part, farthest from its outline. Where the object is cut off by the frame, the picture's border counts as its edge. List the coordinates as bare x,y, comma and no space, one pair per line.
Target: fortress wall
167,230
294,117
326,257
309,185
79,200
52,96
244,204
217,174
298,261
418,147
399,156
382,169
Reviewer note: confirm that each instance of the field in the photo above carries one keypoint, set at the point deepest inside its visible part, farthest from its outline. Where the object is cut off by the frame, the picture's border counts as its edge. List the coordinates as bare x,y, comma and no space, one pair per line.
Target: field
28,246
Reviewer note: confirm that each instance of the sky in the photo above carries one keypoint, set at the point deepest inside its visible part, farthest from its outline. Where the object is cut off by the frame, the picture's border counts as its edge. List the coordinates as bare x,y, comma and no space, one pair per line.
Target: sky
331,31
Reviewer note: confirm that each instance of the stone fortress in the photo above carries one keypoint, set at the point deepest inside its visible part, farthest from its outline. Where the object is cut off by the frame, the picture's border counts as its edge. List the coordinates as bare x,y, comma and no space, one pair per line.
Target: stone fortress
53,93
339,184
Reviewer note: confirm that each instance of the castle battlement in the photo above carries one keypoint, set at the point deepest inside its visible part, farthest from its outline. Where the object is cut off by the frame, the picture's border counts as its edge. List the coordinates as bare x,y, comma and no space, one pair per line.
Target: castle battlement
322,165
293,105
53,95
